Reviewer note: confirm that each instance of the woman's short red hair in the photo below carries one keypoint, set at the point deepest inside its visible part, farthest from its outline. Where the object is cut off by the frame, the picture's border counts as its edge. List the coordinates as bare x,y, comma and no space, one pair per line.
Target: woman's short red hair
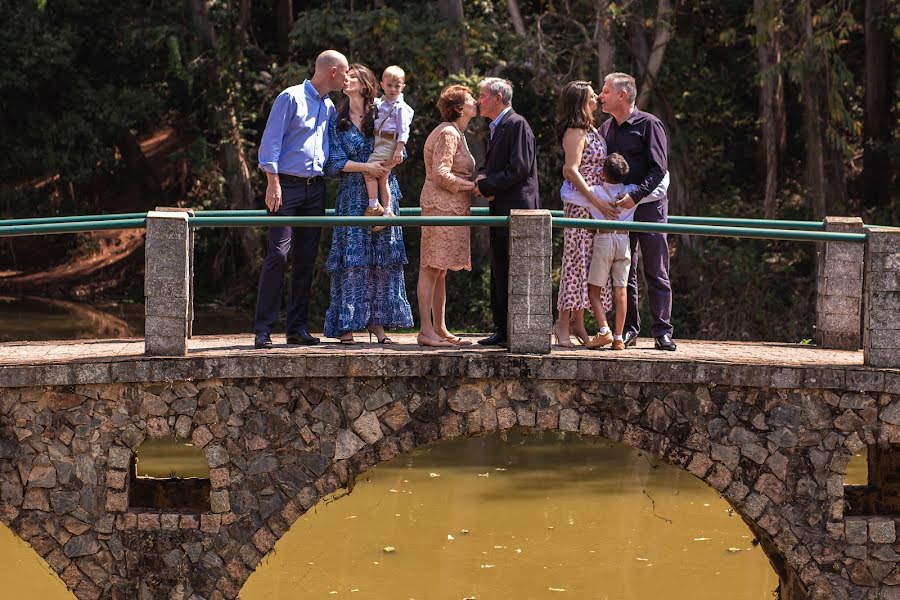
452,100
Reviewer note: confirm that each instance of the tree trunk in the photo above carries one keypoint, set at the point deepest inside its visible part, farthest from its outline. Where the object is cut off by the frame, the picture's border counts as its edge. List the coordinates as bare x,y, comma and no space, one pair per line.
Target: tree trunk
877,124
649,58
812,101
285,23
452,11
606,46
232,159
516,17
771,99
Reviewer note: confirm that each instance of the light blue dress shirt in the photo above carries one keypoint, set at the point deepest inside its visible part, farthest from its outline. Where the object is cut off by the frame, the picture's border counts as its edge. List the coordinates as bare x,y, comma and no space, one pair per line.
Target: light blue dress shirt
295,140
496,121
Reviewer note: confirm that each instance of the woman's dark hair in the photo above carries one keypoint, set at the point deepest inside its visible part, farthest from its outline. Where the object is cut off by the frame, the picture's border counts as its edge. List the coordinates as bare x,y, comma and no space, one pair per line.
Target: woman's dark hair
452,101
572,111
368,86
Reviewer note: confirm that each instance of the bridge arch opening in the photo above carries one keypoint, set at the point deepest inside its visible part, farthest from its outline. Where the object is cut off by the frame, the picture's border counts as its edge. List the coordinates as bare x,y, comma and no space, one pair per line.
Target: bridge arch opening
169,474
872,481
527,517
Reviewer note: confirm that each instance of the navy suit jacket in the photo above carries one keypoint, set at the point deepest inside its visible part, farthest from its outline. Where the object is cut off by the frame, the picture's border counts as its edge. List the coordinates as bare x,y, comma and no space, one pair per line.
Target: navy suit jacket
510,167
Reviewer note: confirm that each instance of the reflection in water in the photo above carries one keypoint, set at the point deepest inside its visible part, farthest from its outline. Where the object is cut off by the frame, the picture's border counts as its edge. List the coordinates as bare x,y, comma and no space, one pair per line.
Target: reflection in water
36,319
550,517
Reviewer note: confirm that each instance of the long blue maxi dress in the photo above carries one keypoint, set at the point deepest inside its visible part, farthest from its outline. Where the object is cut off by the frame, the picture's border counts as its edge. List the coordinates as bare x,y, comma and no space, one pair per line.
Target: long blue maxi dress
366,268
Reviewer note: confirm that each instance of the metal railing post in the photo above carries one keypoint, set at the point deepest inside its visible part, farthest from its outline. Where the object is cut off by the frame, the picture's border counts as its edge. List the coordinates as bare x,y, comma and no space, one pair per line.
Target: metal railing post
530,289
167,286
839,287
881,339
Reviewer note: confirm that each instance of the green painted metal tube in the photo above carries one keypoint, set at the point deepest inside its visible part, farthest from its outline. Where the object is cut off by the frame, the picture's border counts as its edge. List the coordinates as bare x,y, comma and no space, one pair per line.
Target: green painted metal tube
706,230
346,221
71,227
754,223
72,219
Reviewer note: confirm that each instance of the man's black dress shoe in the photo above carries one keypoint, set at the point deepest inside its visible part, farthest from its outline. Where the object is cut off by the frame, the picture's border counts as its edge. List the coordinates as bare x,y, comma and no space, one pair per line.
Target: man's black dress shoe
630,339
498,338
262,341
301,337
664,342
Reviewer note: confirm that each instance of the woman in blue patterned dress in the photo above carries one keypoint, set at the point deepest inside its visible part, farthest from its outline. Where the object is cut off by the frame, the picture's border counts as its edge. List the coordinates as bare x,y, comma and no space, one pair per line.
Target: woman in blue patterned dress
366,268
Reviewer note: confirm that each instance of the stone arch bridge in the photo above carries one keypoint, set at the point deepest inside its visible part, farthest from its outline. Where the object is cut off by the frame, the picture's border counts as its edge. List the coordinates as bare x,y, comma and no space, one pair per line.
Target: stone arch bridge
280,430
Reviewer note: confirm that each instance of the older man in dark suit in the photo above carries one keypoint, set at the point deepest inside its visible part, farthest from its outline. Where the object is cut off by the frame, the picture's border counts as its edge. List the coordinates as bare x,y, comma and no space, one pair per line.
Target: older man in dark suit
508,180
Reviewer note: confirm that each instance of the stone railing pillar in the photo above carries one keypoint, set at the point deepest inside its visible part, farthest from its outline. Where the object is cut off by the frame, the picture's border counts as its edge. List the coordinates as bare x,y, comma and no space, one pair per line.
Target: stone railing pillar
192,233
881,338
167,283
530,290
839,287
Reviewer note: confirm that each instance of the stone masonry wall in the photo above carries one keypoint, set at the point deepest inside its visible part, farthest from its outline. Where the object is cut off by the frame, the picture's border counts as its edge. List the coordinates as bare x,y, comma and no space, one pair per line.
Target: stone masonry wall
276,446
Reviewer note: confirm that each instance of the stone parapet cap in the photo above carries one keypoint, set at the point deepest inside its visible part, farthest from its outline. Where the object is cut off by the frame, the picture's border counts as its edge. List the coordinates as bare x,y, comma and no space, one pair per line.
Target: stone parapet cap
777,366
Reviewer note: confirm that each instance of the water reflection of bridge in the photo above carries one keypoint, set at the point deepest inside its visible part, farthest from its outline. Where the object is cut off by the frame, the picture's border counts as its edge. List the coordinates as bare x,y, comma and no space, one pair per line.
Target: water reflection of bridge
770,426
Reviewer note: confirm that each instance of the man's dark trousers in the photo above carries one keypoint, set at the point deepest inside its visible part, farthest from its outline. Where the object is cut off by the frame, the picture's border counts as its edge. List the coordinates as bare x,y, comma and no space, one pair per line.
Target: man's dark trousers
499,238
655,255
298,199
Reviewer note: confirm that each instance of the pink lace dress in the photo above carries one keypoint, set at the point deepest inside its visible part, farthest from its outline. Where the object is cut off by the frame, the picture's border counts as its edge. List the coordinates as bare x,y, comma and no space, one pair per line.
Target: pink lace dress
578,244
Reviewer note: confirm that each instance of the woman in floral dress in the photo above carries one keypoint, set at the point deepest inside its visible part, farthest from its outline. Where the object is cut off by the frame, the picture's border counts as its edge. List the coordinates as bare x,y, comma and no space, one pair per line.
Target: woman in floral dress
366,268
585,151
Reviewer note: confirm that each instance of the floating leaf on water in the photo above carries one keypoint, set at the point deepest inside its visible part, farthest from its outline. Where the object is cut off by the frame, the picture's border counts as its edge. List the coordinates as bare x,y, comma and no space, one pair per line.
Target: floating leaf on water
499,469
351,517
642,559
518,551
464,531
487,566
733,549
450,537
433,475
553,589
394,491
484,474
389,549
701,539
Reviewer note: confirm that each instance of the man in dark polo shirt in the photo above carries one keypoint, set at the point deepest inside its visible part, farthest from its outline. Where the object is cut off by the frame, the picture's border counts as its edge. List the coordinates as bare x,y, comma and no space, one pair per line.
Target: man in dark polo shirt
641,138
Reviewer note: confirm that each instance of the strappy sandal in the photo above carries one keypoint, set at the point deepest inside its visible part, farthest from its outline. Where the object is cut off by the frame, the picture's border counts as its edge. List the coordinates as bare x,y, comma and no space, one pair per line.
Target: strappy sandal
384,340
347,341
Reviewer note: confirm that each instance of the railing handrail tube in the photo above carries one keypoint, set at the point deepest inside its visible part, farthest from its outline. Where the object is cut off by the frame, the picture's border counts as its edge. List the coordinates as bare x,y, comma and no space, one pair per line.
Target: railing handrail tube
72,227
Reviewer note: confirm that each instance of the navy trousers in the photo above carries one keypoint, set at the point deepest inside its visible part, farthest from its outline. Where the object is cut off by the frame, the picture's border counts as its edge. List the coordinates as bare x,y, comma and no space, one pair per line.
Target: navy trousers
298,199
499,238
655,255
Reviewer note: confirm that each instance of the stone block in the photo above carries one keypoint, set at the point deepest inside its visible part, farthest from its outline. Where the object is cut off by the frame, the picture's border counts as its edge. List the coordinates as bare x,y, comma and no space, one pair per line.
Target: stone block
882,531
856,531
535,322
166,306
531,343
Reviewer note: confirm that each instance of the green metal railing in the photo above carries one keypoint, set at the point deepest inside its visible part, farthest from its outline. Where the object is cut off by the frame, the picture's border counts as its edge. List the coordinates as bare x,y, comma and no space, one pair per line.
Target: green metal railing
808,231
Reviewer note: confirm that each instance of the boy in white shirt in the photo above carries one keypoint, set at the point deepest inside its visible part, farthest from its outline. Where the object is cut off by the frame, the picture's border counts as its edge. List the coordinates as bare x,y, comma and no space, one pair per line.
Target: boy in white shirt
391,134
611,258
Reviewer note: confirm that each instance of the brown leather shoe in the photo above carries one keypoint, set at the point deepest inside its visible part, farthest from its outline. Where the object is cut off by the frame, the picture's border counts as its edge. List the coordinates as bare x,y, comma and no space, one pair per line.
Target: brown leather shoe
618,345
600,340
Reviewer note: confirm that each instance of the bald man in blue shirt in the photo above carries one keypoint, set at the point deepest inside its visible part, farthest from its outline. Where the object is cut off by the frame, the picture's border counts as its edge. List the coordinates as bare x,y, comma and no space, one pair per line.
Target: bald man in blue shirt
292,153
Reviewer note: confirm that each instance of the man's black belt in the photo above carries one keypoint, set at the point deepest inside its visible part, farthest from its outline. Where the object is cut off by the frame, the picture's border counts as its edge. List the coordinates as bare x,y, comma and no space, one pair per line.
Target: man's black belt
296,179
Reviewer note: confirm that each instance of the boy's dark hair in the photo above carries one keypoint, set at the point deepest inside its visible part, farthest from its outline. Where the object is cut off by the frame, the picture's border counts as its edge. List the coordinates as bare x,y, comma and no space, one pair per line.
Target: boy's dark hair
615,168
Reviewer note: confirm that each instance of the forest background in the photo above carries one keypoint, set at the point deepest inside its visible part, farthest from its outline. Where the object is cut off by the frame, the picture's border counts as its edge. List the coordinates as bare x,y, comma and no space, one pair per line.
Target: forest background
775,109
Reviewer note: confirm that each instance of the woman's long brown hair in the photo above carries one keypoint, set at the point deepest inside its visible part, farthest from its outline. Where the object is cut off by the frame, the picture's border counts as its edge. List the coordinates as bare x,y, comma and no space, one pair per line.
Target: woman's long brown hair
572,111
368,89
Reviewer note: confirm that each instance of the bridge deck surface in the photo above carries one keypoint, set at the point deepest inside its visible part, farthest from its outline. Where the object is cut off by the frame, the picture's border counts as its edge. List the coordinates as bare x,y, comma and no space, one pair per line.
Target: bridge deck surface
695,351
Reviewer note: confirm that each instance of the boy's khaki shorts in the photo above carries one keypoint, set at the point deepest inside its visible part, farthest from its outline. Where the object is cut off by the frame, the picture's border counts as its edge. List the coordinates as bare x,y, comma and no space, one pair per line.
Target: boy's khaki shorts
611,257
384,150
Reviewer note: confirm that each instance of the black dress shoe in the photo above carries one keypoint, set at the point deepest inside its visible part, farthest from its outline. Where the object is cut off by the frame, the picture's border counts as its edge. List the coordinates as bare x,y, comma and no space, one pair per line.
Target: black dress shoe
498,338
262,341
664,342
301,337
630,339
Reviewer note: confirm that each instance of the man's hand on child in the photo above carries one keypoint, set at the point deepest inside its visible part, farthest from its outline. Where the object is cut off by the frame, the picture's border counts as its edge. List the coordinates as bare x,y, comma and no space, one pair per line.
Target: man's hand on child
608,210
625,202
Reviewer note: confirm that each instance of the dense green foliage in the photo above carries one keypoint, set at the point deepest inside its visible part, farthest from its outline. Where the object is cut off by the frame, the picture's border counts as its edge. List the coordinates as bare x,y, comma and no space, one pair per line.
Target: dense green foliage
81,79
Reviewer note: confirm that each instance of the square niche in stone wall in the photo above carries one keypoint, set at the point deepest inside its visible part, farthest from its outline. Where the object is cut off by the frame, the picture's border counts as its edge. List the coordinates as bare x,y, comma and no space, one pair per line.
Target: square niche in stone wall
170,475
872,482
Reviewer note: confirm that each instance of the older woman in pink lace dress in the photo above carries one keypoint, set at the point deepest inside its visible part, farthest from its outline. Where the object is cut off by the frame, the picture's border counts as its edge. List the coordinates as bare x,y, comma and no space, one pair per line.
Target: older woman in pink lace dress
449,169
585,151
